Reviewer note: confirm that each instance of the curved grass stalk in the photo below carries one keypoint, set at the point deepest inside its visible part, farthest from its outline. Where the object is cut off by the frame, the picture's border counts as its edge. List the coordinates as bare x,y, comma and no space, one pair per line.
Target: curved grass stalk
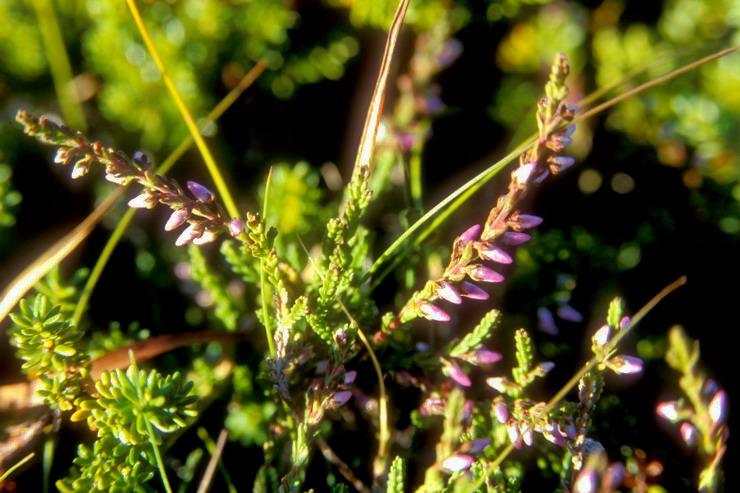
591,363
210,162
59,66
15,466
167,164
397,250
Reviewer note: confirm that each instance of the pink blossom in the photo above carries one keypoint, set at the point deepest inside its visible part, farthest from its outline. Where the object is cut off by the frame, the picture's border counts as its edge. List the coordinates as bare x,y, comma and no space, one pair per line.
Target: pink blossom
341,398
484,274
177,219
625,365
448,292
200,192
453,370
143,201
501,412
718,408
433,312
688,433
470,234
601,337
472,291
458,462
668,410
513,238
236,227
528,221
491,252
546,322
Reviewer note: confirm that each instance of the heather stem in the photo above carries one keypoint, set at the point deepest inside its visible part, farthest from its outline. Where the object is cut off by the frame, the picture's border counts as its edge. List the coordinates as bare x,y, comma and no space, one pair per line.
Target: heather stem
158,456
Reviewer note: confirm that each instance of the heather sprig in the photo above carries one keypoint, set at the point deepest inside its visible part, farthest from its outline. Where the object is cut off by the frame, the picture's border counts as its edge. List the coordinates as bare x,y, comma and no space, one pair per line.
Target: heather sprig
205,217
505,225
703,414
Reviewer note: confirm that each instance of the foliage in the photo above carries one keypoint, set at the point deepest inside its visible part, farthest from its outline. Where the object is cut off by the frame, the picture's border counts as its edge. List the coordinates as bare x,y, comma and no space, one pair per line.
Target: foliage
345,318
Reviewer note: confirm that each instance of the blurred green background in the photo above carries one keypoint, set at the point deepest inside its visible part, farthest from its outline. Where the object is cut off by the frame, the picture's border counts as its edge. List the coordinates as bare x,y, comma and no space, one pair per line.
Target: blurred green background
654,195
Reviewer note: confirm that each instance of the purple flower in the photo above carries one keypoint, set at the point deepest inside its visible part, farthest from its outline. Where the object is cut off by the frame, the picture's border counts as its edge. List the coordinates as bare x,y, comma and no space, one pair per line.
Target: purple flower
341,398
433,406
625,365
470,234
527,221
512,429
546,322
568,430
206,237
458,462
406,141
512,238
433,312
186,236
485,356
718,408
613,477
349,377
526,433
688,433
601,337
624,323
484,274
141,160
501,412
560,163
498,383
493,253
567,312
448,292
453,370
476,446
553,435
473,292
143,201
200,192
587,481
668,410
177,219
545,367
449,53
522,173
236,227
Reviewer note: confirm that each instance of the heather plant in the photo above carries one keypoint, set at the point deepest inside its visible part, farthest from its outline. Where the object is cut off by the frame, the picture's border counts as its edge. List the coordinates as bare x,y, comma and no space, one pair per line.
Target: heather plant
329,353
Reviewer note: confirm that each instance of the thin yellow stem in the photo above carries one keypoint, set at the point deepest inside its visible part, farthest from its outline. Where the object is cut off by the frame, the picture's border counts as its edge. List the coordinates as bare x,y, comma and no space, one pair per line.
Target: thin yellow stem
59,66
213,168
15,466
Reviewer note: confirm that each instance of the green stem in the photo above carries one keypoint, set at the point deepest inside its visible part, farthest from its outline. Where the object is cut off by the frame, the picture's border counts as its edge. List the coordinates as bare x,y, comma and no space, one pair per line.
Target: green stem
48,460
15,467
158,457
210,162
263,281
59,66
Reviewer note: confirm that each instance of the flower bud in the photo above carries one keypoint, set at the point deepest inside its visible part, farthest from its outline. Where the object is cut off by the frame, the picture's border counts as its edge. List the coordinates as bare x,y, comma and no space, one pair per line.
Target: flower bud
186,236
341,398
688,433
141,160
433,312
177,219
200,192
207,237
546,322
718,408
528,221
476,446
498,383
236,227
493,253
501,412
567,312
512,238
484,274
601,337
625,365
586,482
522,173
512,429
458,462
448,292
453,370
349,377
473,292
613,477
470,234
485,356
668,410
560,163
143,201
526,433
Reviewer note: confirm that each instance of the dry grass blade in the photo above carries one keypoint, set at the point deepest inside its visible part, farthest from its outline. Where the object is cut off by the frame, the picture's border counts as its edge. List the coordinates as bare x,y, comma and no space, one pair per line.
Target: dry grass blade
207,480
372,121
19,286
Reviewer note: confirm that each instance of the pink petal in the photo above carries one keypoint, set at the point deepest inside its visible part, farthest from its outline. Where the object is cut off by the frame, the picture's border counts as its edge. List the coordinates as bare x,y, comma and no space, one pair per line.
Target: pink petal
448,292
433,312
473,292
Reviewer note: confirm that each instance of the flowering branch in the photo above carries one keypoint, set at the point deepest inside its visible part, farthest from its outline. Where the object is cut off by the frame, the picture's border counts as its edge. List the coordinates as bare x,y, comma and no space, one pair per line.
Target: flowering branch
505,224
